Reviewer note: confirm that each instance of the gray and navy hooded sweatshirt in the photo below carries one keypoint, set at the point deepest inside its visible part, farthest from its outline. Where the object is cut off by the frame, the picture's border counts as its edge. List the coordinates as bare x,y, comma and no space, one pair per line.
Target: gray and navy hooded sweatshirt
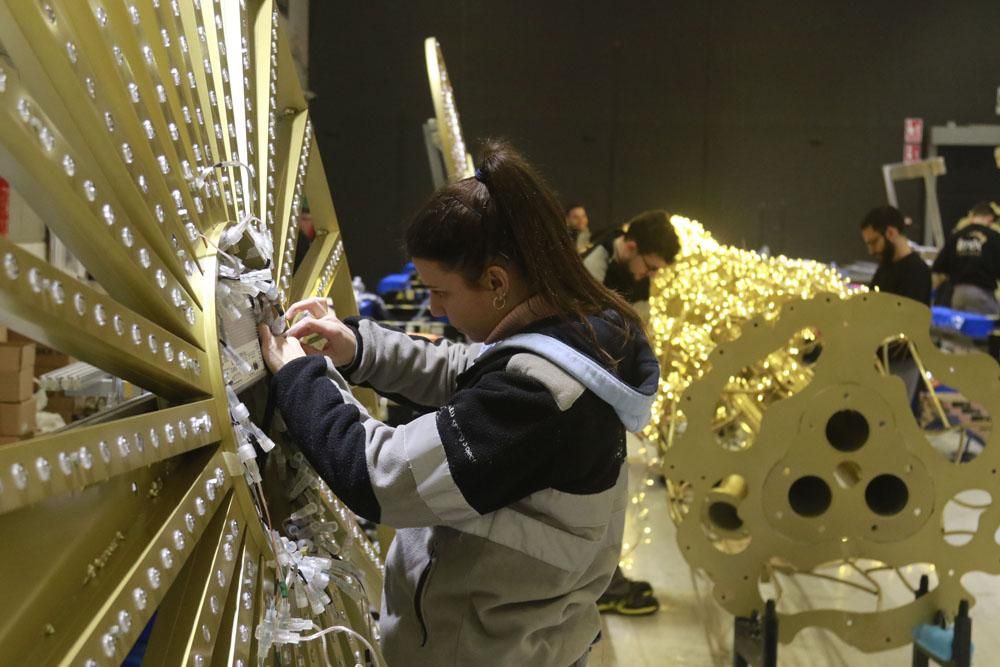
508,494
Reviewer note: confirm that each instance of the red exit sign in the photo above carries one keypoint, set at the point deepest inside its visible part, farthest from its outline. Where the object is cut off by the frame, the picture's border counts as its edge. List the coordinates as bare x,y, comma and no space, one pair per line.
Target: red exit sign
913,139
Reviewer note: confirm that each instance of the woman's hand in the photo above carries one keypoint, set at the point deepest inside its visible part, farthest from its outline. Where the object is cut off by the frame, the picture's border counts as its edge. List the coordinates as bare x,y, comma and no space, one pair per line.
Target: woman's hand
339,341
278,350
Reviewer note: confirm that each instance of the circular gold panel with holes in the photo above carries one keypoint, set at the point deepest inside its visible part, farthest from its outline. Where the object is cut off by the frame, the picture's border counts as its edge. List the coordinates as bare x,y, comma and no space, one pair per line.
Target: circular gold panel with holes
838,471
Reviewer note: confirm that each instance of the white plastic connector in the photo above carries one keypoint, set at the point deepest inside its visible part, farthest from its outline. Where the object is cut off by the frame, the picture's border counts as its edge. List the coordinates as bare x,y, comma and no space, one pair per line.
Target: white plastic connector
238,410
304,511
303,480
265,442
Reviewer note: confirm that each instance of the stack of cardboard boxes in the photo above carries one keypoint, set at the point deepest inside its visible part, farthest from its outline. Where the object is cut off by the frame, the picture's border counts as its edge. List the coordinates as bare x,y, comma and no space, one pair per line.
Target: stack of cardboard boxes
17,403
47,359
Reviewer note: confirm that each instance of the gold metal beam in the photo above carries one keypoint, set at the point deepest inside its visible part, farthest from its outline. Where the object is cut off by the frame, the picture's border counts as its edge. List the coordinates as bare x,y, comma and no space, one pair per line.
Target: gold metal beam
69,461
315,272
160,551
90,219
54,308
104,127
237,628
457,162
295,137
191,613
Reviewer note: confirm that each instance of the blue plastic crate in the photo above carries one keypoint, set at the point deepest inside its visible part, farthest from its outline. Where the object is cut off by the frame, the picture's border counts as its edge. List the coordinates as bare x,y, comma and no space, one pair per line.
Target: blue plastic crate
973,325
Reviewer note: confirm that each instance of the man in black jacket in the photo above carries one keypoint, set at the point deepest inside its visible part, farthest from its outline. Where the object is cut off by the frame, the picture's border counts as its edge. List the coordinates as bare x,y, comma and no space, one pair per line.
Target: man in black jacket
970,260
900,271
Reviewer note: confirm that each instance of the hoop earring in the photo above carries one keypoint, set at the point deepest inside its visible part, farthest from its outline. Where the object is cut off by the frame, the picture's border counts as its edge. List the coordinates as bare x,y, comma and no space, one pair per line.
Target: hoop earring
500,301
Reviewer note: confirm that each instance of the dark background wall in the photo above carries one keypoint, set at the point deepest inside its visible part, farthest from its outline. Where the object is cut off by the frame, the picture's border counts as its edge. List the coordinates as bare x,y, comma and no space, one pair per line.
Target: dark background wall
768,121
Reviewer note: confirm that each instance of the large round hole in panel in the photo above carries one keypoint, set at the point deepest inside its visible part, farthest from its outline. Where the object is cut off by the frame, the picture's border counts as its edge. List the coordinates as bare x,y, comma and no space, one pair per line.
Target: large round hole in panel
809,496
886,495
847,430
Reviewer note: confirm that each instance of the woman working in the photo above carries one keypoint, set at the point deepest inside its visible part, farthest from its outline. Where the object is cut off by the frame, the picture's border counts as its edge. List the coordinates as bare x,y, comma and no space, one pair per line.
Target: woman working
509,494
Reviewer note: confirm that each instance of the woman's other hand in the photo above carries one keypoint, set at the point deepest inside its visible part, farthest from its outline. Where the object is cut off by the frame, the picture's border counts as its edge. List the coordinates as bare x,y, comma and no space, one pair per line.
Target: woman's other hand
278,350
339,343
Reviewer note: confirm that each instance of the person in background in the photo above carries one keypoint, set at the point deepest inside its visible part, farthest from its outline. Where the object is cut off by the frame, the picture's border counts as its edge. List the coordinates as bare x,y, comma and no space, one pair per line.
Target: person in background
509,494
579,226
623,260
900,271
970,262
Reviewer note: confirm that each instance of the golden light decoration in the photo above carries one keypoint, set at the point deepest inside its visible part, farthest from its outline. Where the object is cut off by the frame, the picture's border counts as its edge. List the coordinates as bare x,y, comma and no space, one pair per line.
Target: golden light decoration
704,298
793,462
699,301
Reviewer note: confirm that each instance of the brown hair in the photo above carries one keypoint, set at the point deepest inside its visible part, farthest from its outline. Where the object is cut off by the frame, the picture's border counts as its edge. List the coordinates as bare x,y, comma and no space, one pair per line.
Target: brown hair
508,215
654,235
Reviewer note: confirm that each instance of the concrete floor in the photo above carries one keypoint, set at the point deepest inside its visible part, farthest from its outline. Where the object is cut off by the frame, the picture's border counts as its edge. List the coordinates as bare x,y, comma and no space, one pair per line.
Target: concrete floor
692,629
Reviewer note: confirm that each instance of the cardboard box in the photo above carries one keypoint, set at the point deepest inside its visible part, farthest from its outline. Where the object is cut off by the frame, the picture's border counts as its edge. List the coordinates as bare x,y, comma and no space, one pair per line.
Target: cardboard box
65,406
17,418
47,359
15,337
10,439
17,386
3,334
16,356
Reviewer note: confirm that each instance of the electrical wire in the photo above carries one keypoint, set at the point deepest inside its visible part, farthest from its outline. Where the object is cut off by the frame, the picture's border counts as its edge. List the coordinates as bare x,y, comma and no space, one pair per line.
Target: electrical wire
346,630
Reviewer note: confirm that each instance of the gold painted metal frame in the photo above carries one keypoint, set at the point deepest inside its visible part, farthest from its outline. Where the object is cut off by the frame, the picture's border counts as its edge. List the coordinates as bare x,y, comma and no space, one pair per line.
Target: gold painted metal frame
140,131
457,161
763,528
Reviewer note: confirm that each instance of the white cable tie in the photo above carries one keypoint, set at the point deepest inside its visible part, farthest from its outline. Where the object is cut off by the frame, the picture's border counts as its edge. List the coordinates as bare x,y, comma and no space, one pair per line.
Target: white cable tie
263,242
235,261
257,276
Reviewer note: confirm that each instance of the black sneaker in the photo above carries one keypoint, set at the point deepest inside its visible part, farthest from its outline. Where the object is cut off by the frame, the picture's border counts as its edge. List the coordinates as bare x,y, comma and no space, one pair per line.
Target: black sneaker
638,601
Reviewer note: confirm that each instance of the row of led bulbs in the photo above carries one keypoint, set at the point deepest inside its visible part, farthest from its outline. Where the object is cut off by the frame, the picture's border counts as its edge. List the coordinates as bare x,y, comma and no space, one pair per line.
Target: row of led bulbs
329,269
104,210
452,122
83,456
272,121
114,639
53,289
148,129
291,239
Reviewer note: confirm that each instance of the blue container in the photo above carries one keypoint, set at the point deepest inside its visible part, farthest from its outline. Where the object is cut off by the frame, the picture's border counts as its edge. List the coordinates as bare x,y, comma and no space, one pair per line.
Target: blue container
973,325
396,282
